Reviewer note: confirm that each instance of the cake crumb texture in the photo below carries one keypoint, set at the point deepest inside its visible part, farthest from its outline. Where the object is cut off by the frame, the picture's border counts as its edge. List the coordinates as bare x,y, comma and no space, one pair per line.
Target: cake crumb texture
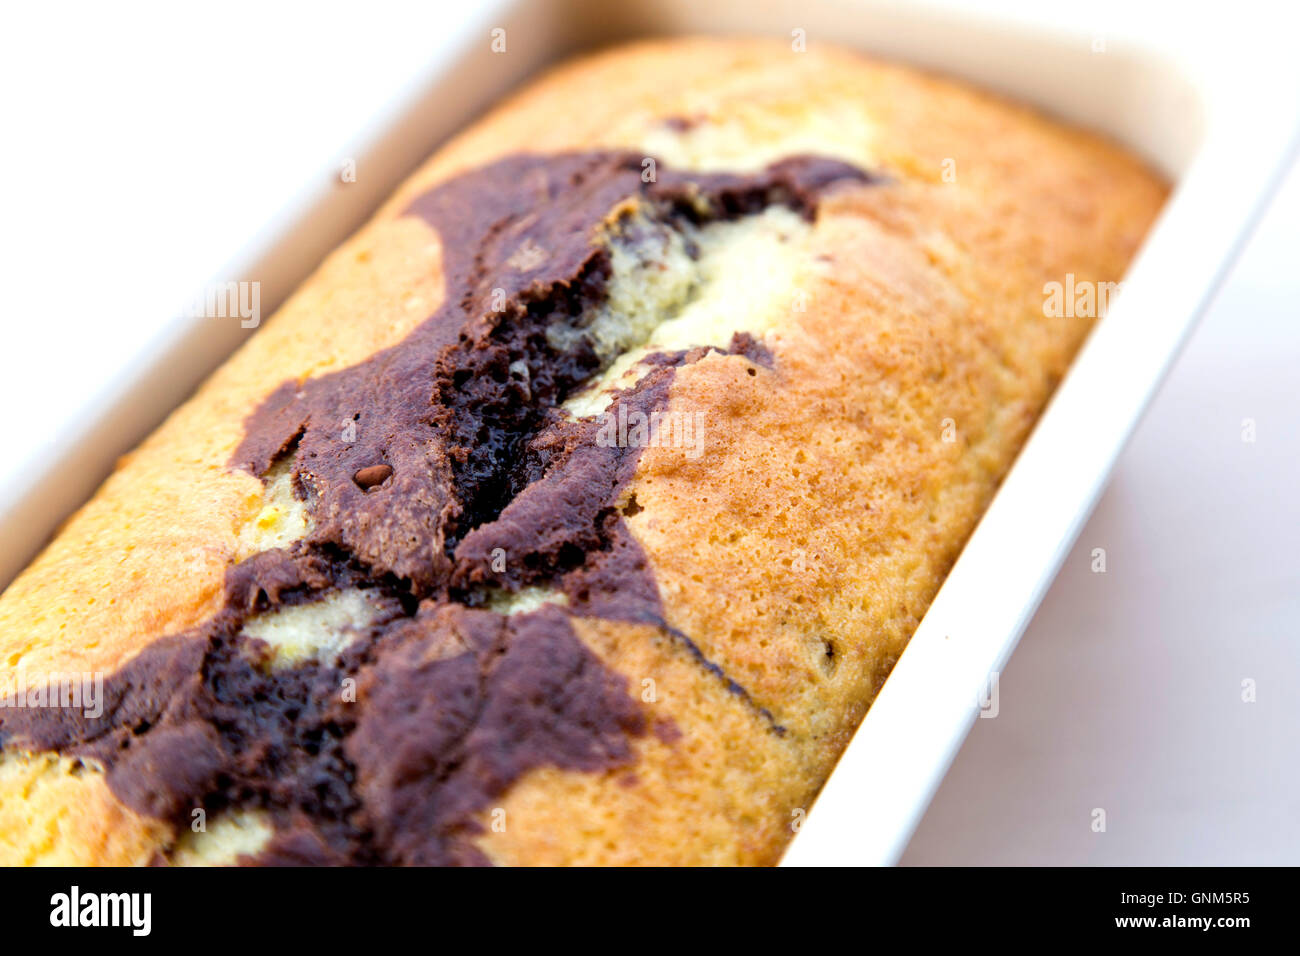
840,384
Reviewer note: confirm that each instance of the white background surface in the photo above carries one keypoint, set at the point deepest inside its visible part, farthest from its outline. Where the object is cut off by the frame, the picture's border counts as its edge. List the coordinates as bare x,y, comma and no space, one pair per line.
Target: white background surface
145,144
124,130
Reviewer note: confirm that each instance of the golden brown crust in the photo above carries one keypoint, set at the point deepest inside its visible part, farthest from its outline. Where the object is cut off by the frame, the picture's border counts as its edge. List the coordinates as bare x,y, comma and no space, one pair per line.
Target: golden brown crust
800,550
59,812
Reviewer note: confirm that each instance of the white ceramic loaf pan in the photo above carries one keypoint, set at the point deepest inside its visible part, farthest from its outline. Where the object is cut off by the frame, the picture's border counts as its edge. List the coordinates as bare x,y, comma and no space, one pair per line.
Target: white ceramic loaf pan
1218,116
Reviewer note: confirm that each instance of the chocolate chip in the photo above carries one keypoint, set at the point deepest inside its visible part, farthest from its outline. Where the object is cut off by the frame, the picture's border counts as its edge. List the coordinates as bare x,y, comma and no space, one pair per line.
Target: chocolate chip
368,478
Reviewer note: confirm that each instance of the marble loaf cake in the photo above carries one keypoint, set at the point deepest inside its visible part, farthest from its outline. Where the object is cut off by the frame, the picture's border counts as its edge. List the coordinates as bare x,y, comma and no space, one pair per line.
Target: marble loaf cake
576,508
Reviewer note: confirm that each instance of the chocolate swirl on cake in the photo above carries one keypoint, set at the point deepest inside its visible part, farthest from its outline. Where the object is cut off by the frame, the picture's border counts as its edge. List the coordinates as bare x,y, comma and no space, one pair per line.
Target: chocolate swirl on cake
460,476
